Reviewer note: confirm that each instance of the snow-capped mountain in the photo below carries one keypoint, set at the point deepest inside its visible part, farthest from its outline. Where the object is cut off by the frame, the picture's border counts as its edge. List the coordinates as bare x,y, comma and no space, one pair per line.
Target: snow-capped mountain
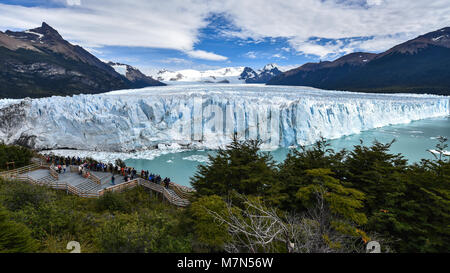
262,75
222,75
248,73
134,75
40,62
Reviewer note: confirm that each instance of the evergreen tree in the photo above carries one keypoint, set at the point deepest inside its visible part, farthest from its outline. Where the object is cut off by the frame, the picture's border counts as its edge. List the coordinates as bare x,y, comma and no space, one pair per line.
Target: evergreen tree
344,203
241,167
377,173
293,170
14,237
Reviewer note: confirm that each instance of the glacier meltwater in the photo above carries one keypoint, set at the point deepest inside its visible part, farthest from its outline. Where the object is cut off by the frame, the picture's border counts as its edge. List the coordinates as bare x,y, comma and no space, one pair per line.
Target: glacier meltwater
205,116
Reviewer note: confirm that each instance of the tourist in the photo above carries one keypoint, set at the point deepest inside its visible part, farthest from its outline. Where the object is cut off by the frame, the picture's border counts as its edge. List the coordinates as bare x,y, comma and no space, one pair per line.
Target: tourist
112,180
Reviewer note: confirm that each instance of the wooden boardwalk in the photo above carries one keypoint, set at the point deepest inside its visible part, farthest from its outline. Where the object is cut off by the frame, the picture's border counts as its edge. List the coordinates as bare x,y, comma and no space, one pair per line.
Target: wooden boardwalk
97,183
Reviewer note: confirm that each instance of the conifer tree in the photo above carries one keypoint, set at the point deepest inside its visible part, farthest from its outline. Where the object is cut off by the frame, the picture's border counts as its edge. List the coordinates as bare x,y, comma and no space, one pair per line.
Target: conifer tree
241,167
14,237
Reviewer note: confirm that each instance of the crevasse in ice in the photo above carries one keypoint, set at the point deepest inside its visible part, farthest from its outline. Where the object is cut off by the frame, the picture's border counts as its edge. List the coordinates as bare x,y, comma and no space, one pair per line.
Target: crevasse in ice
205,116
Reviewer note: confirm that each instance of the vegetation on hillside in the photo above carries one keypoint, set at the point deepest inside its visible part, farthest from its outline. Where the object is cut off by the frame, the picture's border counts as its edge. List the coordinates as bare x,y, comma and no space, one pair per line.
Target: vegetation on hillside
334,201
317,200
39,219
14,156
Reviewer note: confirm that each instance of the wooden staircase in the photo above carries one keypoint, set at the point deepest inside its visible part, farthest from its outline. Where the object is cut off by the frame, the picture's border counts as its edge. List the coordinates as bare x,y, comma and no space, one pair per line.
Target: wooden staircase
88,186
47,179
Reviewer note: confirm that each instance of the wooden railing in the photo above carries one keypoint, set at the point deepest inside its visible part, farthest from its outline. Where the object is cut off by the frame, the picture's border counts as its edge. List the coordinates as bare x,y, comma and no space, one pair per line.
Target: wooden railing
177,199
182,191
16,172
89,175
120,187
53,172
94,178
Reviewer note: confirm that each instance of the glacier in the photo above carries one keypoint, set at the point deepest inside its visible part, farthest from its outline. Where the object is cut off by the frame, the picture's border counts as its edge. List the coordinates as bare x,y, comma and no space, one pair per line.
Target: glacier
205,117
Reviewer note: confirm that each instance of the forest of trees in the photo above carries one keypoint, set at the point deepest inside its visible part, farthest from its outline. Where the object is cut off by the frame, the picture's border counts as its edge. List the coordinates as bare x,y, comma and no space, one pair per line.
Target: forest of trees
320,200
316,200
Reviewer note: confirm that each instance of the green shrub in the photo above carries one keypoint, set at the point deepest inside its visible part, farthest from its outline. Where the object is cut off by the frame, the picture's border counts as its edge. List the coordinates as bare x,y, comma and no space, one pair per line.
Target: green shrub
18,195
113,202
14,237
21,156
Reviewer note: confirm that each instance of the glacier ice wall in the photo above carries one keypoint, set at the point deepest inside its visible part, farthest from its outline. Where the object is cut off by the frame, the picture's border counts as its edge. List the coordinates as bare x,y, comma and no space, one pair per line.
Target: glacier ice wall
205,116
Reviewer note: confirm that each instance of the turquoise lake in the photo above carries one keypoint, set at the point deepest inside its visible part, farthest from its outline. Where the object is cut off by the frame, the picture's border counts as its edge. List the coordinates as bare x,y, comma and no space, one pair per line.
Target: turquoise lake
412,140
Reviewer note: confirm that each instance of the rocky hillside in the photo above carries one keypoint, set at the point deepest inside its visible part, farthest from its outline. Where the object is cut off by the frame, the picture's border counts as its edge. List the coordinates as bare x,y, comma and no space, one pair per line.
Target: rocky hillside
39,63
134,75
421,65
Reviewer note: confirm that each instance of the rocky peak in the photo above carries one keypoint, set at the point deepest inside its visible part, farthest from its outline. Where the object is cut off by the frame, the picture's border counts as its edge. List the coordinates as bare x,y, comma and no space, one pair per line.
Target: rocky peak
270,67
47,32
248,73
439,38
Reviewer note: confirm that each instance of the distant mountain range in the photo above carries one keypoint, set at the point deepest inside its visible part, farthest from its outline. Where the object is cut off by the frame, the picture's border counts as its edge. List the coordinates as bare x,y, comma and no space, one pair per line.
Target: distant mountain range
39,63
421,65
226,75
223,75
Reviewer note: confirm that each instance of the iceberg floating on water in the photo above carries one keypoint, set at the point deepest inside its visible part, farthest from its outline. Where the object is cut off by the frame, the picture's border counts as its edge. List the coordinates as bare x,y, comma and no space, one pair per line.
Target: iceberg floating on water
205,116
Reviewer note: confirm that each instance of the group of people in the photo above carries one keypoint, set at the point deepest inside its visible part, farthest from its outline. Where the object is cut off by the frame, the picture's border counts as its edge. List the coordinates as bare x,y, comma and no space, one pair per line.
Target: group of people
61,160
128,173
60,168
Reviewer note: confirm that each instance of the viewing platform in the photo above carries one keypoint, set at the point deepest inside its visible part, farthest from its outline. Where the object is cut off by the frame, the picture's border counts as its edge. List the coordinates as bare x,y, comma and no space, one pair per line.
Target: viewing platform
93,184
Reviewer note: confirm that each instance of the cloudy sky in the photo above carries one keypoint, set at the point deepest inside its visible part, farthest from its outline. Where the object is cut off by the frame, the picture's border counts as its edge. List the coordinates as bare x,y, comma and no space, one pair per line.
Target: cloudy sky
206,34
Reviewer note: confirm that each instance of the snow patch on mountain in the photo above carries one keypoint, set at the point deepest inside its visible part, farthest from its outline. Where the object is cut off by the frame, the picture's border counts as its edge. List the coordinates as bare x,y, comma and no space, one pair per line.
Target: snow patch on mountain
120,68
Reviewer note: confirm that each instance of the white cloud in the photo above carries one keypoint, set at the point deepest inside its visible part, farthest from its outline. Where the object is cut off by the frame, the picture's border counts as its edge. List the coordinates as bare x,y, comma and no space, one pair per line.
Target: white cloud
175,61
250,54
176,24
73,2
284,68
279,56
328,50
374,2
201,54
300,20
166,24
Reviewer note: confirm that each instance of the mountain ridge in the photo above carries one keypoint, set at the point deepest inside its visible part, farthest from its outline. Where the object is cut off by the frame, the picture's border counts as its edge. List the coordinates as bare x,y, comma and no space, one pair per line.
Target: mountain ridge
420,65
40,63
